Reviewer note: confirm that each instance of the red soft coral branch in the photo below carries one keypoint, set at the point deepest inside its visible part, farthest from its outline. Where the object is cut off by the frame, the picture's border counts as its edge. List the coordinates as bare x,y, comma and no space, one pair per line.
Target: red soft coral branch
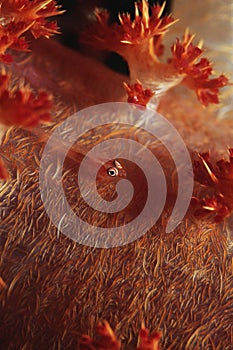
212,206
22,107
20,16
185,53
107,340
139,41
144,27
149,341
137,94
197,73
10,38
219,178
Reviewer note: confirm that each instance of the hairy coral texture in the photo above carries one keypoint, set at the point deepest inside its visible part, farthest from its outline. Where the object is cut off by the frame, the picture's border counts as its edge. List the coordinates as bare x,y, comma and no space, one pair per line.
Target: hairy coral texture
55,290
139,41
179,283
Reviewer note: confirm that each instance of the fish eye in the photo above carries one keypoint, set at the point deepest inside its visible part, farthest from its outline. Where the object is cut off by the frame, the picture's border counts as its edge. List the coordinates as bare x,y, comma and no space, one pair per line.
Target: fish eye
112,172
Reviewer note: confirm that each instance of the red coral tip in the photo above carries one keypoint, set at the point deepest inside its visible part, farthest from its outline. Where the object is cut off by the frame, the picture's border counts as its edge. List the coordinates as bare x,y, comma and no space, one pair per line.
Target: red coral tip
137,94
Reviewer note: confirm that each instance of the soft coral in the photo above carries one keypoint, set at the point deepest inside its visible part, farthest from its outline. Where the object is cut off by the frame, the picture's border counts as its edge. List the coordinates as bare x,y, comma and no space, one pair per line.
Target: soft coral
139,41
21,107
21,16
196,72
219,178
